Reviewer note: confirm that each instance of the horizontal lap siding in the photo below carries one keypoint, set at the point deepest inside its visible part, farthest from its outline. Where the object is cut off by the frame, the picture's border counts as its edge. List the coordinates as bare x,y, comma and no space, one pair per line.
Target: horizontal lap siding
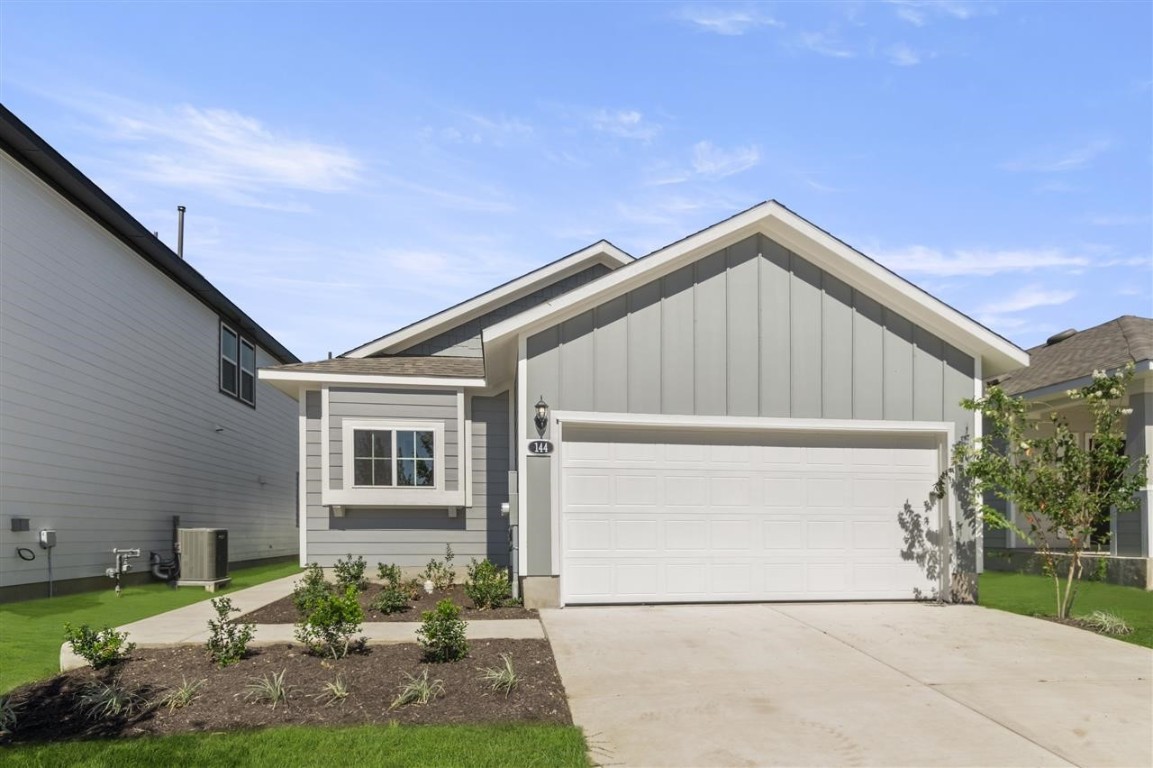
411,537
109,404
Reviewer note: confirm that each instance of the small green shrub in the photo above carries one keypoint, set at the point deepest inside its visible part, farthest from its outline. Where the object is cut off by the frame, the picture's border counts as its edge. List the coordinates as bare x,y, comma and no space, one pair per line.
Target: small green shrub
270,689
418,690
227,639
100,648
1109,623
503,678
9,714
442,633
487,586
350,573
182,695
441,573
310,590
335,692
389,574
329,629
111,699
392,600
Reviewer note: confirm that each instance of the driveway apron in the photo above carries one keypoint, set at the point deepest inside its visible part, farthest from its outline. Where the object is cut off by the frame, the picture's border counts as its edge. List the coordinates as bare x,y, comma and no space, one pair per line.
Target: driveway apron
849,684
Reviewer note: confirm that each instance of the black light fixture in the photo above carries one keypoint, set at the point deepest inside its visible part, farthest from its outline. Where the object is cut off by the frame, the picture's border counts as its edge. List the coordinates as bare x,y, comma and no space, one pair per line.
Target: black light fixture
541,418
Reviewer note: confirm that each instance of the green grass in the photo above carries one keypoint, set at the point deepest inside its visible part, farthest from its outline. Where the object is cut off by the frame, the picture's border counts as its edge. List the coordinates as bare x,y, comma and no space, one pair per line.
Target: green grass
459,745
1034,596
33,630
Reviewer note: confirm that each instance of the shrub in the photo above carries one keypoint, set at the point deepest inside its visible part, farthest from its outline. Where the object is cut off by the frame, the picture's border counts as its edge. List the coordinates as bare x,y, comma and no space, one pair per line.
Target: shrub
227,639
1109,623
100,648
9,714
418,690
392,600
182,695
487,585
329,629
440,573
270,689
350,573
111,699
310,590
442,633
389,574
502,678
335,691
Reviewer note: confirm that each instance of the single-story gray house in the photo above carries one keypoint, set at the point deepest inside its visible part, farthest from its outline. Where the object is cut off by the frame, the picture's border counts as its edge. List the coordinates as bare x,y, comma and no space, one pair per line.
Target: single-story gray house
128,391
744,414
1067,361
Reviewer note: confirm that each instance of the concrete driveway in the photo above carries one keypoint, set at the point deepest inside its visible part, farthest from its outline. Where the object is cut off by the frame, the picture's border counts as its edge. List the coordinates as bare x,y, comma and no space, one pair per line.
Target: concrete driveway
850,684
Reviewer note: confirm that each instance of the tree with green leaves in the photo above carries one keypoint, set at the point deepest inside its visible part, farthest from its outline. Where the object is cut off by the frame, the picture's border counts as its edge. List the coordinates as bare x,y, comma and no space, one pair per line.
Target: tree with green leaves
1062,490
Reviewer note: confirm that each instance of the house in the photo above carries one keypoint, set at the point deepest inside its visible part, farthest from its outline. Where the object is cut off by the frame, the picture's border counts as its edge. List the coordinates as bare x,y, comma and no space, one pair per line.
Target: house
754,412
1067,361
128,390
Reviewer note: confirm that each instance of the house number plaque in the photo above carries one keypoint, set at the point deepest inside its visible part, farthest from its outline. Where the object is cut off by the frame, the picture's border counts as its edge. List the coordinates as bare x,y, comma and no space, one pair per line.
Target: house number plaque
540,447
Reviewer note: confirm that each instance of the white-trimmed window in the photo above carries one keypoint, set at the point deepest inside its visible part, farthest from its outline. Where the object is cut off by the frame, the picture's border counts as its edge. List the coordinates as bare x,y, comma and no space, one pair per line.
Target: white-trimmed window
237,366
380,455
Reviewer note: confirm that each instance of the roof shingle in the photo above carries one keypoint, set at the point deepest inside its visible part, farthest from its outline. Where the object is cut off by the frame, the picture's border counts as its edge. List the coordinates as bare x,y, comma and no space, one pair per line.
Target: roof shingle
454,367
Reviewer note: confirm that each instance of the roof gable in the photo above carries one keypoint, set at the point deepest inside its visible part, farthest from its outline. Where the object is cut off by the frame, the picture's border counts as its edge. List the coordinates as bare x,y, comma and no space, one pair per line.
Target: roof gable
810,242
603,253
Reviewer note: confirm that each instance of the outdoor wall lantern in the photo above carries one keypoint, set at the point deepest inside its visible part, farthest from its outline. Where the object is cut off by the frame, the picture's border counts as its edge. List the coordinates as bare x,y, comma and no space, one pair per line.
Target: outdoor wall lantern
541,418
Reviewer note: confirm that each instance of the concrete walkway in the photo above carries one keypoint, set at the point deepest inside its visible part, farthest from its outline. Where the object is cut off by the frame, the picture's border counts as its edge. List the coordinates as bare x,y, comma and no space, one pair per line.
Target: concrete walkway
850,684
189,625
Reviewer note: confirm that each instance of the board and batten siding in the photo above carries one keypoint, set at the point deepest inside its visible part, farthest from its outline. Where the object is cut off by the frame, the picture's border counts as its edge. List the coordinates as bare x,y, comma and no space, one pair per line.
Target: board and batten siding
410,537
464,340
111,421
752,330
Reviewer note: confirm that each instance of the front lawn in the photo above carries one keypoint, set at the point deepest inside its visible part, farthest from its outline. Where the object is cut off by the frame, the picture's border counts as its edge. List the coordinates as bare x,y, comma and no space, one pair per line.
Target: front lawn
34,630
462,745
1034,596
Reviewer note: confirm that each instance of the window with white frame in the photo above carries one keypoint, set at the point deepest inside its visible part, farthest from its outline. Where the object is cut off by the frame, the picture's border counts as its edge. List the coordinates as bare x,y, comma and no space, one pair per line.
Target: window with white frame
237,366
394,456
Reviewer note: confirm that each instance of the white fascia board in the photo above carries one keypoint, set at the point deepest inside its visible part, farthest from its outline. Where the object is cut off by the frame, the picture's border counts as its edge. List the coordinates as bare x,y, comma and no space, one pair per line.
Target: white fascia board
752,423
602,252
810,242
292,381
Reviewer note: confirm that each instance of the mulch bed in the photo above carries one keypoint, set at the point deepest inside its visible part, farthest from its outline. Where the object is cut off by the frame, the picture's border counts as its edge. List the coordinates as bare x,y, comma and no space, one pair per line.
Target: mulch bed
50,710
284,612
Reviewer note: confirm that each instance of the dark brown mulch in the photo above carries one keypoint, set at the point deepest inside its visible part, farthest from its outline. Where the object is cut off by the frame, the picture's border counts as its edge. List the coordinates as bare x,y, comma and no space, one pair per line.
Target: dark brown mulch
284,612
50,711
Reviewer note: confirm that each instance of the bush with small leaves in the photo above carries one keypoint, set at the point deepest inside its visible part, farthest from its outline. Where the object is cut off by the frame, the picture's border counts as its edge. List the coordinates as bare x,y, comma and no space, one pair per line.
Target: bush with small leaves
329,629
441,573
442,633
228,639
503,678
418,690
487,586
392,600
350,573
182,695
101,700
310,590
270,689
99,647
389,574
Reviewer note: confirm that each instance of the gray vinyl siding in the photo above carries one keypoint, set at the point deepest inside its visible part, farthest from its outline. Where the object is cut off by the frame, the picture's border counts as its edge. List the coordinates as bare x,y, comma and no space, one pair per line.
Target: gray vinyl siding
411,537
753,330
358,403
465,339
111,421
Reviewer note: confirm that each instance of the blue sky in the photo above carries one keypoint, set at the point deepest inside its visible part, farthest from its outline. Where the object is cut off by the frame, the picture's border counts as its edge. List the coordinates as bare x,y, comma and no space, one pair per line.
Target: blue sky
350,168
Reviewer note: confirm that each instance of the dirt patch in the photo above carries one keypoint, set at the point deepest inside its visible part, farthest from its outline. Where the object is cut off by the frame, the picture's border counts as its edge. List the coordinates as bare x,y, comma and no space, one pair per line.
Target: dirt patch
51,710
284,612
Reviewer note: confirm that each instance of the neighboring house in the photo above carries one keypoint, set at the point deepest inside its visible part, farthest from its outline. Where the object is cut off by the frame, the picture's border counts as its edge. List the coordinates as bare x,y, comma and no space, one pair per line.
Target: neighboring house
755,412
128,390
1067,361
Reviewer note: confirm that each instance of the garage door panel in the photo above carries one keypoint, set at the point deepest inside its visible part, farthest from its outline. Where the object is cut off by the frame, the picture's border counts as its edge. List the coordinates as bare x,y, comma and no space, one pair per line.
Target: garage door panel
766,517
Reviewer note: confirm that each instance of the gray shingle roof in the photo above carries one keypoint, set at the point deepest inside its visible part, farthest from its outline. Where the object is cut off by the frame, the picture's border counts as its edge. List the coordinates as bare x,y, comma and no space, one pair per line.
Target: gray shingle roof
455,367
1102,347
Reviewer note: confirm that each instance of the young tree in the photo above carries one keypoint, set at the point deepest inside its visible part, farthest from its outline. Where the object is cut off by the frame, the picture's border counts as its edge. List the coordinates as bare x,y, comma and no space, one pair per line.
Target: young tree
1063,490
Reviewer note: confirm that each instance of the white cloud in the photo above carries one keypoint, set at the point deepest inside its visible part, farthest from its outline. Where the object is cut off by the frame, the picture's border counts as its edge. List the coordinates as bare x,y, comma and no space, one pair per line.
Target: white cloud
1118,220
826,44
902,55
730,21
1058,161
716,163
921,260
919,12
227,153
626,123
1025,298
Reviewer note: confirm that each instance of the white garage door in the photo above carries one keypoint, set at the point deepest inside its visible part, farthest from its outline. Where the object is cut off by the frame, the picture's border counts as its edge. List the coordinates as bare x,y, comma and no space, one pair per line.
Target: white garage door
653,515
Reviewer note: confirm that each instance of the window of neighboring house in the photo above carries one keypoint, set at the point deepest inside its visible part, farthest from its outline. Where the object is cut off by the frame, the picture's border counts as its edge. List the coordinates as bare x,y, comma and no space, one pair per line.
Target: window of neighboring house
394,458
237,366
